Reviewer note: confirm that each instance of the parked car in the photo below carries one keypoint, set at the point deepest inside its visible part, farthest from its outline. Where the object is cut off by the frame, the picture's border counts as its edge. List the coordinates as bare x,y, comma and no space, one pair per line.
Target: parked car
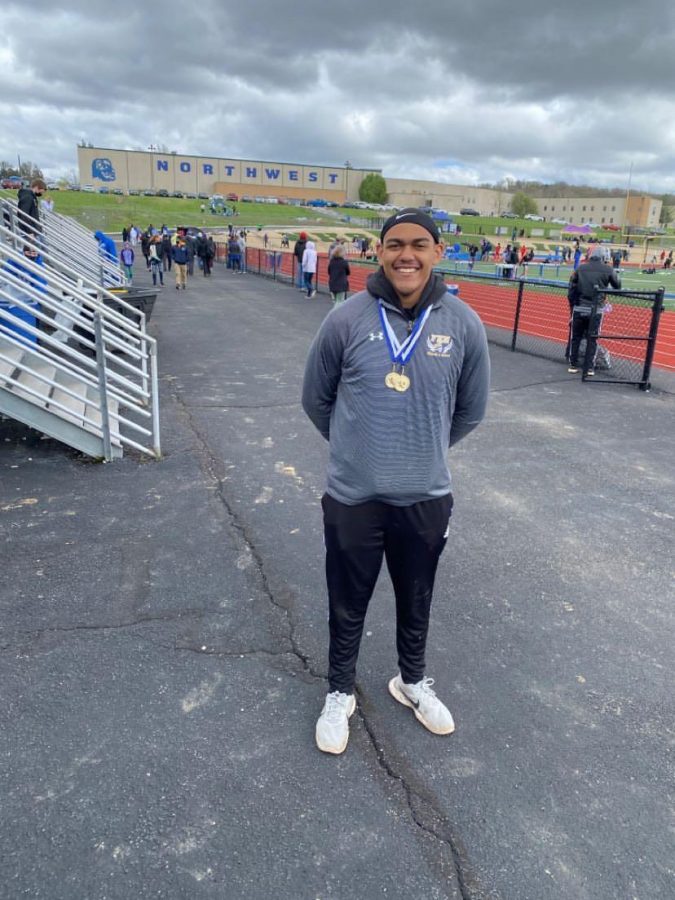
510,215
118,191
74,187
611,227
318,202
12,182
467,211
593,225
89,188
53,186
233,197
245,198
533,218
559,222
134,192
149,193
104,190
162,192
190,196
178,195
203,196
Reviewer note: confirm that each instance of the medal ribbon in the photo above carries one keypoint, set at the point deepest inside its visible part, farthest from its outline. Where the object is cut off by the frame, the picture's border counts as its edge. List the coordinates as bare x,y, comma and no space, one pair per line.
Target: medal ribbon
400,353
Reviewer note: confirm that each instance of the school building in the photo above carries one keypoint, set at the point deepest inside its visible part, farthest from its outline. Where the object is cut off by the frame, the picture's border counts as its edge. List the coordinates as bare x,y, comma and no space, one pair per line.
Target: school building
151,170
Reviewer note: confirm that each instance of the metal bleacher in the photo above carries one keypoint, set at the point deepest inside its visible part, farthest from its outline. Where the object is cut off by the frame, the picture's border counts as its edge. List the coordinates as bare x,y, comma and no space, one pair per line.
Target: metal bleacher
76,361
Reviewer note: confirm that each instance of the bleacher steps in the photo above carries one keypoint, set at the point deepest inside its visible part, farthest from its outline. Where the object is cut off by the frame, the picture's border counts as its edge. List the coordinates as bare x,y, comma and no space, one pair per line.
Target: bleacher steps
32,381
8,365
38,412
75,405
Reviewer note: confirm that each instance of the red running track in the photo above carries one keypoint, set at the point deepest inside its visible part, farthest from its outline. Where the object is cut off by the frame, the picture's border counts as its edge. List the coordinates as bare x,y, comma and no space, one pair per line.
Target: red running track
546,316
542,315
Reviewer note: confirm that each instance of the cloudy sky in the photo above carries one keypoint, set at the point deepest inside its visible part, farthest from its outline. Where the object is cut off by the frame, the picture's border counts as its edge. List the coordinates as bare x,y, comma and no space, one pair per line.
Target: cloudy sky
447,90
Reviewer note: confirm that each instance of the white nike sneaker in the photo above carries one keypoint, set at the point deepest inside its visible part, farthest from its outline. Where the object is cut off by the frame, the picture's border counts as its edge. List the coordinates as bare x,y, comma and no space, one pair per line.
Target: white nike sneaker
428,709
332,727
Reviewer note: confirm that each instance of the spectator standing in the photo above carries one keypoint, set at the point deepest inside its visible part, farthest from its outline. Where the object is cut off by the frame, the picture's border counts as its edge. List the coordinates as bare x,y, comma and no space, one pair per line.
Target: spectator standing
309,262
234,253
145,248
155,256
241,240
298,251
166,249
394,499
587,300
127,260
190,249
180,259
27,206
211,253
338,275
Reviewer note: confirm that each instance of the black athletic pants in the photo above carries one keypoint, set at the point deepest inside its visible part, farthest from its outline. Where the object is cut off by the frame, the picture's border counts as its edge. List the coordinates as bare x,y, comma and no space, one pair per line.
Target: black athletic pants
411,539
584,327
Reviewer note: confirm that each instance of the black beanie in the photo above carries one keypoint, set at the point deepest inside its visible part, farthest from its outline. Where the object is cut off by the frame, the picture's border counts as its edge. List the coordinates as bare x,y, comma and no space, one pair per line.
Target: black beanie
412,216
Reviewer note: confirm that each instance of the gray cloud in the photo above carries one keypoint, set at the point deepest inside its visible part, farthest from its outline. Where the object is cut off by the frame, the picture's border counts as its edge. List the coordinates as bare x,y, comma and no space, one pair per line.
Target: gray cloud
466,92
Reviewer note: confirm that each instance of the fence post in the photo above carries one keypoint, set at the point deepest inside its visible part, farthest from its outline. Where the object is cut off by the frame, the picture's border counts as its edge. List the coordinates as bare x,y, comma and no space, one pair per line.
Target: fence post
519,303
258,252
102,386
651,340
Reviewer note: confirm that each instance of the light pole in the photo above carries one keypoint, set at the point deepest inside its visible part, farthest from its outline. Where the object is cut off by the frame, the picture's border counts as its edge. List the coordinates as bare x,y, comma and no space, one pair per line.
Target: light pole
348,166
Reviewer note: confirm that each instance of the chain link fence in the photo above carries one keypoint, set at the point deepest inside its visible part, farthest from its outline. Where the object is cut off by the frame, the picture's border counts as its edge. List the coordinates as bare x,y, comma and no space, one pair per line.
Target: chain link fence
532,316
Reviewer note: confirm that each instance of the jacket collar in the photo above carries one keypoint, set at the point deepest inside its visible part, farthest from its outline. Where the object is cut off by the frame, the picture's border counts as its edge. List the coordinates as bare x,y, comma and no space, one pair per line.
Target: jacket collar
379,286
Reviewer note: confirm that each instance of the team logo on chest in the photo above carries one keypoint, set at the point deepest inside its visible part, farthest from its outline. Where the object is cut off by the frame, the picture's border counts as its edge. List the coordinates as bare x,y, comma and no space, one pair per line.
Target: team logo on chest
439,345
375,336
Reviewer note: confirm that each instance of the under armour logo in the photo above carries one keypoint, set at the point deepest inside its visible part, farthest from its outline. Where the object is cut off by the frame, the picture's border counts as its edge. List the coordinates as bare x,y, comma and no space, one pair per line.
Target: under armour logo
375,336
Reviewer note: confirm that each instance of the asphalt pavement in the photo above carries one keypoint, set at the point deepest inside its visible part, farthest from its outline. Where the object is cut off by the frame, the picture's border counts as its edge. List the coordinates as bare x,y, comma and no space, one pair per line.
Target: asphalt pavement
163,629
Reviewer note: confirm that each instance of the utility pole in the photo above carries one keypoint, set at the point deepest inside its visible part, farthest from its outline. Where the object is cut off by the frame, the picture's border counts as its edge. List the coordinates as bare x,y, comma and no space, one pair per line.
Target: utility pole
625,211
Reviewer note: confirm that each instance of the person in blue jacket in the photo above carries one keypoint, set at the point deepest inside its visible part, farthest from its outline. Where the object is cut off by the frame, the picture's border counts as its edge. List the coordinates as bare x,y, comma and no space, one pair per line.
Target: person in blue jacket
12,291
180,258
106,246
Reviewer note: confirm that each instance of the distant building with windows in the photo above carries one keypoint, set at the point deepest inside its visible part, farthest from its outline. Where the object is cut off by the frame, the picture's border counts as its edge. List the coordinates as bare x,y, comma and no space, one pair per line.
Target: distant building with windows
152,170
641,210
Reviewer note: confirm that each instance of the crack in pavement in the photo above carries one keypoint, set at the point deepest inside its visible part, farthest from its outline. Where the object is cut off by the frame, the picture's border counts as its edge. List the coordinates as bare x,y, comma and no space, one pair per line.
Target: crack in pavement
210,465
422,808
426,814
113,626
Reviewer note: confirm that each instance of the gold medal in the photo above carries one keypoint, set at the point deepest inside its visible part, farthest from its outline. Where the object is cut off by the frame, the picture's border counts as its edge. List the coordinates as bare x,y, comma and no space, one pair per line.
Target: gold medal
403,383
391,380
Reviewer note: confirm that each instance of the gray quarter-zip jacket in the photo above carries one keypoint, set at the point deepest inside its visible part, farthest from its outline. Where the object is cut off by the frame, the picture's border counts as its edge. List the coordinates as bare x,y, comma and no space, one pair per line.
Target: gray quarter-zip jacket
386,445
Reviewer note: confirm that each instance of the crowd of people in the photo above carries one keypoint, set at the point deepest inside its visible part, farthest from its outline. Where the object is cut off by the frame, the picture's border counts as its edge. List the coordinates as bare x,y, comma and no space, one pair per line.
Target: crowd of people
164,250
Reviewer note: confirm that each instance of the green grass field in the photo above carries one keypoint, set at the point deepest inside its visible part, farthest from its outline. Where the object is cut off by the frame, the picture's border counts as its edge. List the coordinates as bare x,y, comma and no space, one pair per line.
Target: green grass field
110,213
631,279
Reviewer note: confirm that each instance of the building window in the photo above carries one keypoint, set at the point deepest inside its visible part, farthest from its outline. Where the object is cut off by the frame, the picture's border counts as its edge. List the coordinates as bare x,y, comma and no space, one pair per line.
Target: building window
552,208
564,208
545,208
604,209
592,209
603,220
571,209
611,221
583,209
614,209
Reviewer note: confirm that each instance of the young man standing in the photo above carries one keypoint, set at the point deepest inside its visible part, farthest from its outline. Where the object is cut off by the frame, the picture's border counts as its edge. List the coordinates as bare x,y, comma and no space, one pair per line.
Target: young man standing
396,375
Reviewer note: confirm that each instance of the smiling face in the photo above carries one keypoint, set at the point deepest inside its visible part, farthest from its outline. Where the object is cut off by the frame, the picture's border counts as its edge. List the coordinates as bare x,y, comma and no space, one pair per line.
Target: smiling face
408,254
